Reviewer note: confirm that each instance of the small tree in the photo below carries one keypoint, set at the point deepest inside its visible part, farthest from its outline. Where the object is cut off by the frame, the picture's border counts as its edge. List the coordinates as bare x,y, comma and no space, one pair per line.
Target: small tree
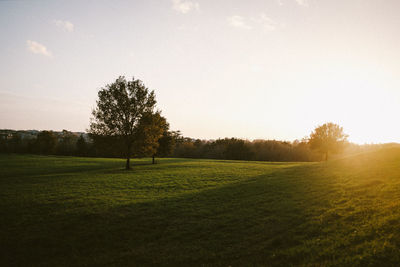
167,142
328,138
120,109
150,130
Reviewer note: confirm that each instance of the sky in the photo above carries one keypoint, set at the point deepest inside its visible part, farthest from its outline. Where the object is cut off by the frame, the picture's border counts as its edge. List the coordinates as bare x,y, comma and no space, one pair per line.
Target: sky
267,69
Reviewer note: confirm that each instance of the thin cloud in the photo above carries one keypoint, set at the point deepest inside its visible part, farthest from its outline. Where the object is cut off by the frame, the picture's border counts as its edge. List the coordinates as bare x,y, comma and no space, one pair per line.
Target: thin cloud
266,22
238,22
65,25
184,7
302,2
38,48
261,22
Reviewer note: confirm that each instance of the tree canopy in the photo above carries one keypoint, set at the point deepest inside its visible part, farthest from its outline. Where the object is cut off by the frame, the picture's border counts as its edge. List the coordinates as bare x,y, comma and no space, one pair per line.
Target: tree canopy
328,138
151,129
126,112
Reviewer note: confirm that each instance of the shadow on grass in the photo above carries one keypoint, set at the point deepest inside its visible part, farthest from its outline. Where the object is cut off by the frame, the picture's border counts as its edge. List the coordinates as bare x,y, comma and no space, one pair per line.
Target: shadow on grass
239,223
282,218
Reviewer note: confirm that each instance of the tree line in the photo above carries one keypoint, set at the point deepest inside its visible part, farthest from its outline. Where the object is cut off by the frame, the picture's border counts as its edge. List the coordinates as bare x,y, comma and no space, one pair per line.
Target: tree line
171,144
125,123
240,149
45,143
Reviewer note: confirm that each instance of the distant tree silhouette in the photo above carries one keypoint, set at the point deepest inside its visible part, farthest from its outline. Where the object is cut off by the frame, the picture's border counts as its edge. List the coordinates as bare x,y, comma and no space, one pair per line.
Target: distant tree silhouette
237,149
167,142
81,146
15,143
106,146
46,143
121,110
328,138
67,143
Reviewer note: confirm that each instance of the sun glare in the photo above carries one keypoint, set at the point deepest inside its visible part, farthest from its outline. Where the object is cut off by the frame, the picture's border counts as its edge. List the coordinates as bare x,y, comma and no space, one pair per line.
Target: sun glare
362,99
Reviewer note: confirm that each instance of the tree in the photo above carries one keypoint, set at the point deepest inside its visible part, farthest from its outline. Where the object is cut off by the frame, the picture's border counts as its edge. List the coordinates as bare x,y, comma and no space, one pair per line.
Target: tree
121,110
328,138
46,142
150,130
237,149
81,146
167,142
67,143
15,143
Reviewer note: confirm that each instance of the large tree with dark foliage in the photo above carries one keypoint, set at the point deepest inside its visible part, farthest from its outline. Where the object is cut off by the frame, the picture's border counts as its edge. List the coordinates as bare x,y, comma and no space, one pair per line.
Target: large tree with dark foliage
123,110
328,138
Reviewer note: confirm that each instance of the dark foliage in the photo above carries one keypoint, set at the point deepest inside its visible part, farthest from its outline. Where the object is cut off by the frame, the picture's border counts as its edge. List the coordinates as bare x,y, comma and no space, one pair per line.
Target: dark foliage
125,114
239,149
171,144
328,138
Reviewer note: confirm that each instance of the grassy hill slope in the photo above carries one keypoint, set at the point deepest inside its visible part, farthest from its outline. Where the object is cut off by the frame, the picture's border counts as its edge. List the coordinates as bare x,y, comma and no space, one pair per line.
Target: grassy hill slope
65,211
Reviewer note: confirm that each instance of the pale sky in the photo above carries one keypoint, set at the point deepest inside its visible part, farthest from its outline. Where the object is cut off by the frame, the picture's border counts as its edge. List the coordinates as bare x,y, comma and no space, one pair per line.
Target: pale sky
271,69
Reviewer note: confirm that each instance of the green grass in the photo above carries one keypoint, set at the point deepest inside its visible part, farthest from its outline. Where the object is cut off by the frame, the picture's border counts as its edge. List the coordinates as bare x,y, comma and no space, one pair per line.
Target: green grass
66,211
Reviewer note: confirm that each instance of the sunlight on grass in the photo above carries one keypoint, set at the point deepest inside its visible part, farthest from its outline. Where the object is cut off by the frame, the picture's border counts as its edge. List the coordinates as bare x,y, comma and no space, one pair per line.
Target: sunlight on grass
80,211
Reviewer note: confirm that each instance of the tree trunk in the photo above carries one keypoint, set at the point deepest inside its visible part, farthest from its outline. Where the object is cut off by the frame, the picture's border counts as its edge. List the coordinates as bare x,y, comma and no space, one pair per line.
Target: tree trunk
128,157
154,161
326,156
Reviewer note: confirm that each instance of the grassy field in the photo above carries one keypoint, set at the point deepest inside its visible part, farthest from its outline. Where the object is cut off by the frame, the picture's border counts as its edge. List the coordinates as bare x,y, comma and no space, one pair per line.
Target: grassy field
66,211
